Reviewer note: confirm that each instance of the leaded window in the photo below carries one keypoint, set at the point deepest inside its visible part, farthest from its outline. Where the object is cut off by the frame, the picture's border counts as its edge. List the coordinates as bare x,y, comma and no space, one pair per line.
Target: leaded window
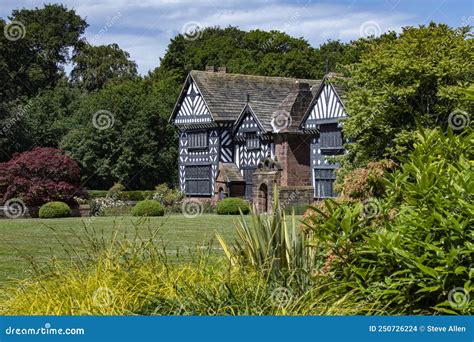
252,141
197,140
324,182
330,136
198,180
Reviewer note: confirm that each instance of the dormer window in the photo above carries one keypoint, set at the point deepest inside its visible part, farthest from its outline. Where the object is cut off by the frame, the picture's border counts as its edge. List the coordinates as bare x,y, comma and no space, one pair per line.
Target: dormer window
197,140
252,141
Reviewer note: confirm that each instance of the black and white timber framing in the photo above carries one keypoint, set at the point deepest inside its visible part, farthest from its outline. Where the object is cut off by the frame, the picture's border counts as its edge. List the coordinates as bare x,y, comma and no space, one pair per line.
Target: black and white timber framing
324,120
226,118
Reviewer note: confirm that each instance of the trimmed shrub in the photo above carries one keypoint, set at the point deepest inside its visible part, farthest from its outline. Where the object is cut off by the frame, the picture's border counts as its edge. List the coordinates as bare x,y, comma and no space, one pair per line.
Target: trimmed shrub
54,210
231,206
148,208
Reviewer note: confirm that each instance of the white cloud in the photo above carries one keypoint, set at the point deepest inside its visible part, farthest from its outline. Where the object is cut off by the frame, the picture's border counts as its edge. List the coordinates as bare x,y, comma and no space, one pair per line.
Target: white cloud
144,28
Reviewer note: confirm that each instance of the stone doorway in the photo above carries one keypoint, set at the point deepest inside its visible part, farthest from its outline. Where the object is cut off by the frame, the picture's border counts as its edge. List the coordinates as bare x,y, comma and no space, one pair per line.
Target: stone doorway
262,199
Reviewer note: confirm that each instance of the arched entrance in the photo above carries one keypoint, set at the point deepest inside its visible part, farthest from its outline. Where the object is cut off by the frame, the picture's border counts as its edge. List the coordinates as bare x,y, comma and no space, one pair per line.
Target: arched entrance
262,199
222,194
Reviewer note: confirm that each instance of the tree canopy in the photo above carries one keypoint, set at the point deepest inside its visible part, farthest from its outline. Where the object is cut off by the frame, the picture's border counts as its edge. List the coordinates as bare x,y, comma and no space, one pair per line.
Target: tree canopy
417,79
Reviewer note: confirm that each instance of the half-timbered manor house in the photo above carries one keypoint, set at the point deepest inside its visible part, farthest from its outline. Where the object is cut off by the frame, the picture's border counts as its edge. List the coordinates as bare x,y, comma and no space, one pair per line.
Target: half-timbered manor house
239,135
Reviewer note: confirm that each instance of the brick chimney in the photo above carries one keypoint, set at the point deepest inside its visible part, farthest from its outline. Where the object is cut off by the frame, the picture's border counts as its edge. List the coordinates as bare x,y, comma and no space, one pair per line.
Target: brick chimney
222,69
210,68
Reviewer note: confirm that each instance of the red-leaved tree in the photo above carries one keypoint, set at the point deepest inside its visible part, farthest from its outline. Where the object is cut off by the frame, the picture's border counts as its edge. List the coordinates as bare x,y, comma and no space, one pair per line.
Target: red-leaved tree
41,175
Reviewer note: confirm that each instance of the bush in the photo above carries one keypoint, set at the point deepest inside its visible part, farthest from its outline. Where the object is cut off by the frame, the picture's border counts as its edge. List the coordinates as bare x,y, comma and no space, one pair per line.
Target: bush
231,206
297,208
167,196
408,252
148,208
364,183
116,190
272,244
54,210
39,176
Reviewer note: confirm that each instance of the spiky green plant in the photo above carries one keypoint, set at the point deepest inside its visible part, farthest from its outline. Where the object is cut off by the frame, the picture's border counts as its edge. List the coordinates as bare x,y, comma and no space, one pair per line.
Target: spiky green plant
273,244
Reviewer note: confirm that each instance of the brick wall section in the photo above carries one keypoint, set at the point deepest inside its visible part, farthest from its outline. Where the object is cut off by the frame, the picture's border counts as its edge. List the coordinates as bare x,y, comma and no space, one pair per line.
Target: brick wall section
293,153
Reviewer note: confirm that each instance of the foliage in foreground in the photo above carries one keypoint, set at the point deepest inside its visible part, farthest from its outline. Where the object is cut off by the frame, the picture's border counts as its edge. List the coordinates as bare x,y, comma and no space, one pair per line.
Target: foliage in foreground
411,252
273,245
54,210
135,277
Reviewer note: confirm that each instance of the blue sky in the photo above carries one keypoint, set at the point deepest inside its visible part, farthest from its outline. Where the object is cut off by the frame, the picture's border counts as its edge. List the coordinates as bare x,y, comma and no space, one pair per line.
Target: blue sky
144,28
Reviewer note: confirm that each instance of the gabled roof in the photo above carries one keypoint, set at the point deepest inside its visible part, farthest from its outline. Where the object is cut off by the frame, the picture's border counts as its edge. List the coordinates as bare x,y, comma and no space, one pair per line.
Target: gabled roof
338,90
247,110
226,94
231,173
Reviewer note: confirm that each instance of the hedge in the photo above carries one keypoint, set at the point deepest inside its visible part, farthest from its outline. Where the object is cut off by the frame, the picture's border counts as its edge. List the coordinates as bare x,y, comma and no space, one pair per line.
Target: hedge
133,195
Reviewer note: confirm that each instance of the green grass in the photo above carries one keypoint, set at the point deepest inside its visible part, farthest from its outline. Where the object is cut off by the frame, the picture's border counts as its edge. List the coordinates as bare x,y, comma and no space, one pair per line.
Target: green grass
42,239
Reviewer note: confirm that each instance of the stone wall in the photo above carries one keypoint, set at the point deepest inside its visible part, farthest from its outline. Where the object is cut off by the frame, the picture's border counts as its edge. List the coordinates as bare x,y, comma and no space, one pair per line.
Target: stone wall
290,195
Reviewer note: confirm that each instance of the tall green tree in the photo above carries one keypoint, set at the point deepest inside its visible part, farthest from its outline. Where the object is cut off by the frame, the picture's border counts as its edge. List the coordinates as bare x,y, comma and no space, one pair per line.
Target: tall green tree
256,52
37,44
94,66
416,79
121,134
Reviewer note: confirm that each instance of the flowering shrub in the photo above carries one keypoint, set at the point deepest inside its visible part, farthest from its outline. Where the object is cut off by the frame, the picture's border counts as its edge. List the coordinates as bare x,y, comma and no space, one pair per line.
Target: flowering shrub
39,176
364,183
109,205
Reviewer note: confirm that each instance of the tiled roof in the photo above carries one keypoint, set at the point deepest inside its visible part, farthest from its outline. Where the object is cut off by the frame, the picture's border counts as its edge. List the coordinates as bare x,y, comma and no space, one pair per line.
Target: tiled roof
227,94
231,173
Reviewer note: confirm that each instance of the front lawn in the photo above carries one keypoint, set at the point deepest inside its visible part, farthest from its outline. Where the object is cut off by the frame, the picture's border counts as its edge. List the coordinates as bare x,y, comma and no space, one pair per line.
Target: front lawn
43,238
